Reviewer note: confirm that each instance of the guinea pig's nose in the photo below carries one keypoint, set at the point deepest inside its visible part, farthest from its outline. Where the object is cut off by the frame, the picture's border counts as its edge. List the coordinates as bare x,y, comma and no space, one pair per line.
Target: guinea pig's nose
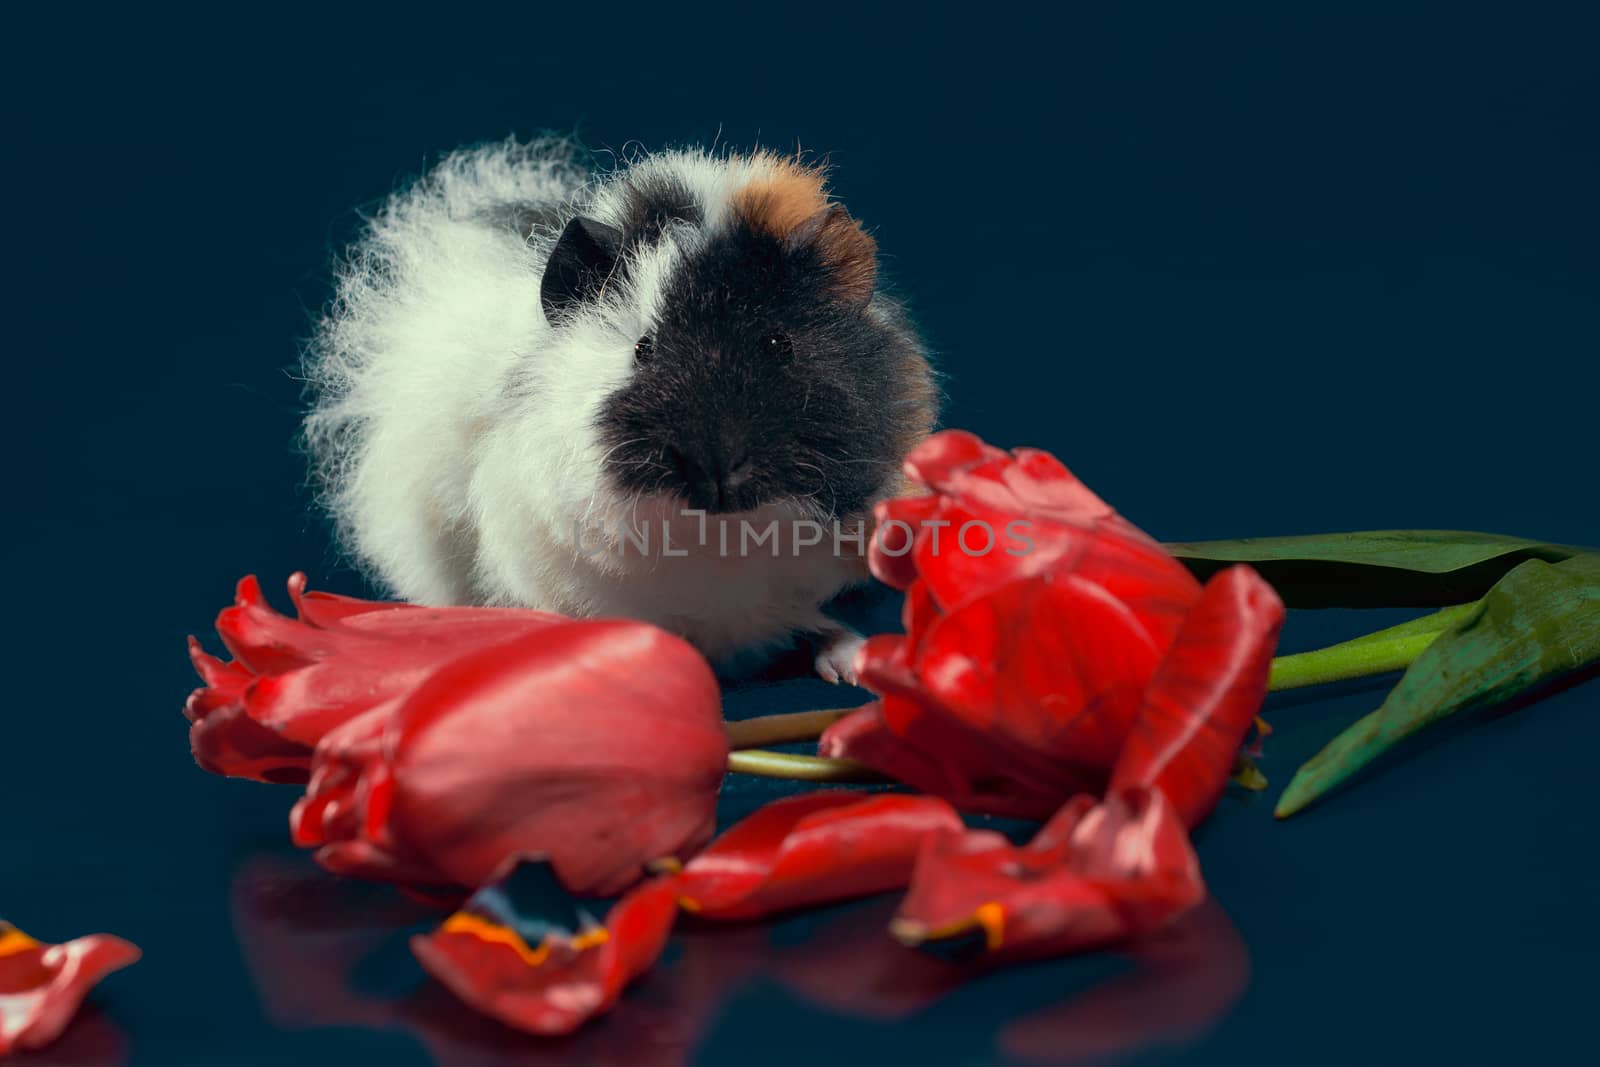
710,481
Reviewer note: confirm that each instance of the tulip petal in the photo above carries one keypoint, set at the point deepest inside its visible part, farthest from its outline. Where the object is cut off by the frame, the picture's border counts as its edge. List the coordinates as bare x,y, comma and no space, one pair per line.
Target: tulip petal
265,642
996,517
344,813
1017,701
943,759
295,679
323,610
42,986
811,849
229,743
981,548
1205,695
890,556
1053,668
1096,873
597,743
940,455
531,958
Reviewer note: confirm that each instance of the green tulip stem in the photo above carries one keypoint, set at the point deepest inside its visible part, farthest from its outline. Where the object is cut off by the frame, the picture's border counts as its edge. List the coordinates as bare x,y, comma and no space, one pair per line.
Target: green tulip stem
1376,653
766,764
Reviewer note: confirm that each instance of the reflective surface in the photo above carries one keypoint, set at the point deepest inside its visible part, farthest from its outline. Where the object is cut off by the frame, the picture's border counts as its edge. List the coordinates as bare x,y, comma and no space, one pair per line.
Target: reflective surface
1270,273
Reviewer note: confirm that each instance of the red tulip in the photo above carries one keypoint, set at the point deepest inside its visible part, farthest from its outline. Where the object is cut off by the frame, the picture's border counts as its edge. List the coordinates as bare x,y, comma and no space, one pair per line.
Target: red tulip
598,744
41,986
1095,873
1040,627
294,679
550,969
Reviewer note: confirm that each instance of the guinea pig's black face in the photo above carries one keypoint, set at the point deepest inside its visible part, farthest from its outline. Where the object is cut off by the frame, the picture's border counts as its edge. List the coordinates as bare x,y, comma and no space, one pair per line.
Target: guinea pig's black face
764,379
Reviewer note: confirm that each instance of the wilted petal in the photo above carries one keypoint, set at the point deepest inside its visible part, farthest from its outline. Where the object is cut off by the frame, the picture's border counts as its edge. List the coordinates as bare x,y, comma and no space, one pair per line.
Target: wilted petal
1095,873
524,952
1205,695
42,986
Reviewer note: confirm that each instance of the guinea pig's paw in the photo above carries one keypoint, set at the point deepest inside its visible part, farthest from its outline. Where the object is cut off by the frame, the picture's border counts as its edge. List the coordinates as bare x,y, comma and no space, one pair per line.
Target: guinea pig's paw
836,659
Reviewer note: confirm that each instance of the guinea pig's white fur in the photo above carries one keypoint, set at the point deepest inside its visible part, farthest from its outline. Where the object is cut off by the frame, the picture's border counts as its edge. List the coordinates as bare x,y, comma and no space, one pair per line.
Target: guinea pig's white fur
453,426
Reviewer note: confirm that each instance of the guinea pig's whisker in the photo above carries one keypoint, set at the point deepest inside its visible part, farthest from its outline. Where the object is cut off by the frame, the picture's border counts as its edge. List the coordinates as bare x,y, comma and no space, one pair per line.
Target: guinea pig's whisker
823,475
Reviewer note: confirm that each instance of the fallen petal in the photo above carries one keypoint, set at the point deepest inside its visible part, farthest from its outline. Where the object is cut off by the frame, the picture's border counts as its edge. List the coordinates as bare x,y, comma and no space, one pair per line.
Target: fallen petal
812,849
523,952
1096,873
42,986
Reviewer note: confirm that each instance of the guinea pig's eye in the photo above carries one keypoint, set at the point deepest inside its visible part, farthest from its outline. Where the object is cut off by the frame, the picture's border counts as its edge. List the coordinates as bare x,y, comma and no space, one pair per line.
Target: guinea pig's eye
780,345
644,348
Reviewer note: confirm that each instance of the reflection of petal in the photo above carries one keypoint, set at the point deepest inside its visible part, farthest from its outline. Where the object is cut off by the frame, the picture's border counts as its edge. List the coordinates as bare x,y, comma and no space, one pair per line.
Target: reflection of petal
310,940
1185,981
1096,873
1206,693
847,965
42,986
303,934
93,1040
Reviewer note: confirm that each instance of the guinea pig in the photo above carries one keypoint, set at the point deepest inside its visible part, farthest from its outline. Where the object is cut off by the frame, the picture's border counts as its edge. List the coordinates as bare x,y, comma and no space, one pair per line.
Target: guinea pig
640,391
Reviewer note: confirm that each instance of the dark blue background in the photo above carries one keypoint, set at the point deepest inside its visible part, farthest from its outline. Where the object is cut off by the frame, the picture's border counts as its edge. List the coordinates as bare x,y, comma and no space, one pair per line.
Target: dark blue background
1267,271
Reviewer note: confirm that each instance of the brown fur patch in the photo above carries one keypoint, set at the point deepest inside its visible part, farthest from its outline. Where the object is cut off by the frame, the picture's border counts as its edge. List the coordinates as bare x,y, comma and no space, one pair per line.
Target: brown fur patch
852,254
779,202
792,203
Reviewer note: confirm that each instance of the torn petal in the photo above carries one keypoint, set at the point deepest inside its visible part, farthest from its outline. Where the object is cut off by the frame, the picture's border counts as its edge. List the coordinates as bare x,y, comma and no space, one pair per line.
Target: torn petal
524,952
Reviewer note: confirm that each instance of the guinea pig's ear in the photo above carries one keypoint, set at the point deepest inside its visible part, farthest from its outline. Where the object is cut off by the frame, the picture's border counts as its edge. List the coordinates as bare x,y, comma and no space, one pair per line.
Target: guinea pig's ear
582,260
846,250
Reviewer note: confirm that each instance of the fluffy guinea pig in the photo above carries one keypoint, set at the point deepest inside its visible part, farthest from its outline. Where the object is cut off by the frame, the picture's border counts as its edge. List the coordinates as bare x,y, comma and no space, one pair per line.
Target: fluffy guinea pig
670,391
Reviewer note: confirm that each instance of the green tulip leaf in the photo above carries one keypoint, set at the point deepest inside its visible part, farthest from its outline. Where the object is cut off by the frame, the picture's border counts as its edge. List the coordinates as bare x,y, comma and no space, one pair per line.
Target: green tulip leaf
1374,568
1537,628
